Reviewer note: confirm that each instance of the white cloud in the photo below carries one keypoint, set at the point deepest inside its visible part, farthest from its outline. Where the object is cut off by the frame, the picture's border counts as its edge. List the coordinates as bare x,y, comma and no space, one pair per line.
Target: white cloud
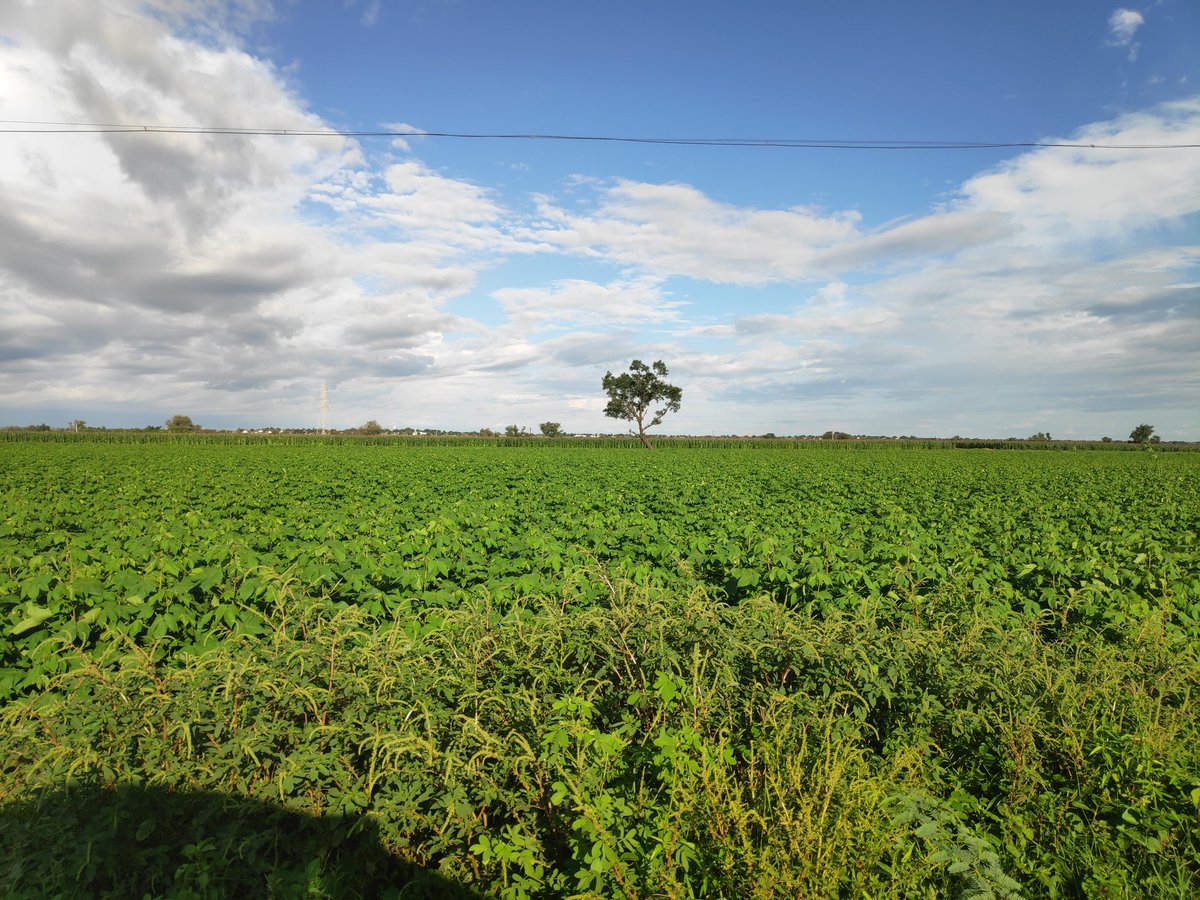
421,197
1123,25
1065,280
675,229
203,272
828,312
938,234
141,269
1062,195
402,143
408,204
579,303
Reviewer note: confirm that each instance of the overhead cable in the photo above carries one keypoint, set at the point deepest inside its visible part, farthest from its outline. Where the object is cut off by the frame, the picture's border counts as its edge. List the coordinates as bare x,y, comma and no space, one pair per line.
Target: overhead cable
32,127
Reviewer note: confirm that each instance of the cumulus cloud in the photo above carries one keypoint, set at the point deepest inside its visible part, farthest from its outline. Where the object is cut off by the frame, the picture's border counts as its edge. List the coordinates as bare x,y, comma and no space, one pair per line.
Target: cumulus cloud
675,229
137,267
416,196
200,272
938,234
407,203
1061,279
579,303
829,311
1058,194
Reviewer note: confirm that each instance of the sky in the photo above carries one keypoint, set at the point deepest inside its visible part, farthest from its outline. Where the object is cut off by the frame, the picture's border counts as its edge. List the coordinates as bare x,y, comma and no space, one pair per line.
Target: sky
463,283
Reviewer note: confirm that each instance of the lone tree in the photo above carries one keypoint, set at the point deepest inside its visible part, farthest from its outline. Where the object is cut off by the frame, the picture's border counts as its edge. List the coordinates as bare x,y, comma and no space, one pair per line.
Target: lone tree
551,429
181,424
1143,434
632,393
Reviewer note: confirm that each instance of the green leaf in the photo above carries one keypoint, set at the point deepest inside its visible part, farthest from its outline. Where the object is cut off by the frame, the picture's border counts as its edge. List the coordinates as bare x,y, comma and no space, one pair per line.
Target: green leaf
927,831
35,618
36,585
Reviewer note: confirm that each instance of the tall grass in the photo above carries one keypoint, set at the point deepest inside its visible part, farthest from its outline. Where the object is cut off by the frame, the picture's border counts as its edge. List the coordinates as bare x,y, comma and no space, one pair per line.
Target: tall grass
645,744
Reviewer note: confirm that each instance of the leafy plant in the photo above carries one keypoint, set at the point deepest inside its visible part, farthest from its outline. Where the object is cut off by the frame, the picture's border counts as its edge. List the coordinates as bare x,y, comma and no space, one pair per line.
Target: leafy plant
536,672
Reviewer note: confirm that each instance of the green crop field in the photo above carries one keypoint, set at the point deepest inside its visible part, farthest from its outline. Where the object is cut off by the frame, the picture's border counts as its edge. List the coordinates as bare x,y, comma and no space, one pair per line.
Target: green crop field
403,670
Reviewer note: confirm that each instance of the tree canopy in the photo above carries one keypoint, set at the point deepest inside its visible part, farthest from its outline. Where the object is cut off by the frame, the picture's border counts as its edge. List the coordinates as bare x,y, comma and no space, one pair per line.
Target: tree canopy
181,424
1143,434
632,394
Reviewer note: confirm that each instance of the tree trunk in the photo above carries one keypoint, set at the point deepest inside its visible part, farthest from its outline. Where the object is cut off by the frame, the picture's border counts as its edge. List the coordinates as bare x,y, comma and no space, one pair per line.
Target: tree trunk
642,436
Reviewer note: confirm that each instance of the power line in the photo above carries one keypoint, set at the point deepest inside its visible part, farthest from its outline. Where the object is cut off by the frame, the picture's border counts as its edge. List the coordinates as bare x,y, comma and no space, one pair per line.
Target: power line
33,127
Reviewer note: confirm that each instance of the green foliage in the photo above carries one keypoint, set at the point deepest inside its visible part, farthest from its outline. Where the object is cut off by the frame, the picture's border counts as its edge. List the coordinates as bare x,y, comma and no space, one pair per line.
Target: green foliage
632,394
1142,434
552,672
137,840
645,744
181,425
551,429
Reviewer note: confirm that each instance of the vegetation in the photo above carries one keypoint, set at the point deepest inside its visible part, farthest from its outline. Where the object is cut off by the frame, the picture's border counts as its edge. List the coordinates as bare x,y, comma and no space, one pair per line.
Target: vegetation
1142,434
551,429
344,669
179,424
632,394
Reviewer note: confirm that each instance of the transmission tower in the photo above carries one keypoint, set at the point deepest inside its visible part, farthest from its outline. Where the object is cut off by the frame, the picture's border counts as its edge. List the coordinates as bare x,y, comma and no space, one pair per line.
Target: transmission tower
323,409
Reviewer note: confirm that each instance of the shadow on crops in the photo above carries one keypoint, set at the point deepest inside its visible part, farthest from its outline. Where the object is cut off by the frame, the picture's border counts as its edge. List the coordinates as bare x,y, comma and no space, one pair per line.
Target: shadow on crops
137,841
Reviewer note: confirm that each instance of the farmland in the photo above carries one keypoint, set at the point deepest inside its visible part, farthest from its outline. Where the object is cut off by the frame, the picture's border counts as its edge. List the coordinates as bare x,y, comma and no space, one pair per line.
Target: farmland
543,671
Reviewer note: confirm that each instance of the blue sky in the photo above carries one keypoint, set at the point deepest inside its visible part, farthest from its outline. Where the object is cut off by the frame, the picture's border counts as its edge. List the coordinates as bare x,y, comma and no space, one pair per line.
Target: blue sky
469,283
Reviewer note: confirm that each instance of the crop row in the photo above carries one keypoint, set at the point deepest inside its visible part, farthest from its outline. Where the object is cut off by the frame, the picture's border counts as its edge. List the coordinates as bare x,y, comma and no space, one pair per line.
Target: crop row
188,543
